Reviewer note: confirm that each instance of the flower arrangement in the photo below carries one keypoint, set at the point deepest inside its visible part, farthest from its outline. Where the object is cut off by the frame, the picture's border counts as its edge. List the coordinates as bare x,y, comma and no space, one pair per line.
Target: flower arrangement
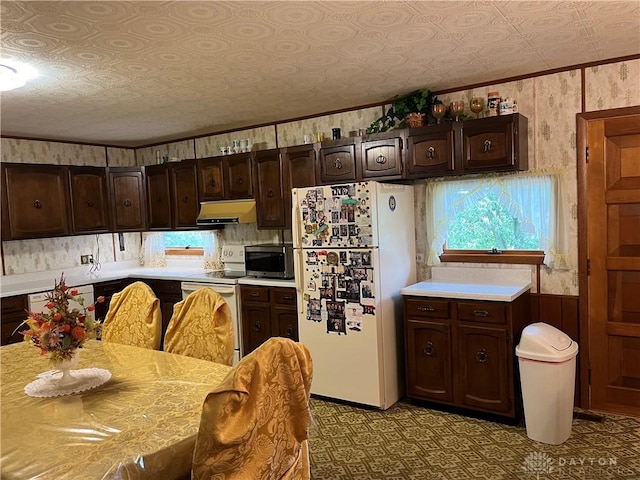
59,331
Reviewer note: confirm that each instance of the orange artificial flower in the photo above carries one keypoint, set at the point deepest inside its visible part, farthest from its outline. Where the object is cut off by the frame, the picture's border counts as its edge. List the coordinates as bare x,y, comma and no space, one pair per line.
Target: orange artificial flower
74,291
78,333
91,308
57,316
101,299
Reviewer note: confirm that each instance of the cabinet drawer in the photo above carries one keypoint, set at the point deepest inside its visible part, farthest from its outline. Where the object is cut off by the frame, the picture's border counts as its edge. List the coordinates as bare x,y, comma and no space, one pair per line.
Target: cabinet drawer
16,304
254,294
426,307
485,312
284,296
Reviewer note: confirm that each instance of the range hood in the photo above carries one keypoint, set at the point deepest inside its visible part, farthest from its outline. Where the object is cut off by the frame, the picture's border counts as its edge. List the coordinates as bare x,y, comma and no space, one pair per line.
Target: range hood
226,212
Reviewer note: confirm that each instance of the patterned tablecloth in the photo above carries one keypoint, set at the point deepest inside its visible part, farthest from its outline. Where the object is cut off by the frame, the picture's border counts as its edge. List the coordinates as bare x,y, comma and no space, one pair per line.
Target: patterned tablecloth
140,424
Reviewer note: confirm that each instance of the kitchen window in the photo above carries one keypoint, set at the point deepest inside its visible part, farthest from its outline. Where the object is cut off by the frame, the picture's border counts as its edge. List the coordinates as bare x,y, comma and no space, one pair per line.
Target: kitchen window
497,219
184,243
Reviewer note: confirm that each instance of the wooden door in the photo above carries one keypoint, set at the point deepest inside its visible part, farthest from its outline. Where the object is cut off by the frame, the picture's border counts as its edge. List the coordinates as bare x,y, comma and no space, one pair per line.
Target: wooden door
609,179
269,196
126,187
382,159
210,179
284,313
432,150
338,164
89,199
184,187
238,181
158,197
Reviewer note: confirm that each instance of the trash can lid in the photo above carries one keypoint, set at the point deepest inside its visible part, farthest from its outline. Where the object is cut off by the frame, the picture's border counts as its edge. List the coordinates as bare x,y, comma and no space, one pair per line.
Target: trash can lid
540,341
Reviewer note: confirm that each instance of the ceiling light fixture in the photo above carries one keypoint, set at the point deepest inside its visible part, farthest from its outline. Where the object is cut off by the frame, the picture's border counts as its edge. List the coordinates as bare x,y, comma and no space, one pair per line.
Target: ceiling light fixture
14,75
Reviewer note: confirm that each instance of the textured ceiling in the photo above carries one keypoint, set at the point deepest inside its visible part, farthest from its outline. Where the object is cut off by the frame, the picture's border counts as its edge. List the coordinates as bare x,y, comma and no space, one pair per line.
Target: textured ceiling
136,73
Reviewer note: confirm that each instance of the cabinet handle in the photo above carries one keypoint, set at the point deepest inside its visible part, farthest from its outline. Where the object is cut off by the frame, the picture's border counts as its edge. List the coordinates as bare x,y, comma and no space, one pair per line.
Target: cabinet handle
90,203
270,193
287,297
37,204
290,331
254,294
482,356
486,146
127,203
431,153
480,313
381,159
429,350
338,164
158,201
427,309
212,183
185,199
257,327
239,180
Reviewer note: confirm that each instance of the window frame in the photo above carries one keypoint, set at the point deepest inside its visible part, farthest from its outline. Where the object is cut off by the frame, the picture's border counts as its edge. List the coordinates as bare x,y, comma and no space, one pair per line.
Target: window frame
522,257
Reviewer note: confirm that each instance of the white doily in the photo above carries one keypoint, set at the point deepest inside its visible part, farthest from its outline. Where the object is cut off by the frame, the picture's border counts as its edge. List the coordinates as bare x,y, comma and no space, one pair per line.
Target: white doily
47,383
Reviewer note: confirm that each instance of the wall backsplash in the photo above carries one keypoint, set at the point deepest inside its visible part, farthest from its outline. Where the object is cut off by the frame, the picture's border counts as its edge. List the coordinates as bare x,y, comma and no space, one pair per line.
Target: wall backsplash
550,102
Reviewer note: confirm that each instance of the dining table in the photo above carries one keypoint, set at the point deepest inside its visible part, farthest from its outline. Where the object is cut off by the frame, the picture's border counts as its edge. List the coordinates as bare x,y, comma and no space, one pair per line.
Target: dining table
141,422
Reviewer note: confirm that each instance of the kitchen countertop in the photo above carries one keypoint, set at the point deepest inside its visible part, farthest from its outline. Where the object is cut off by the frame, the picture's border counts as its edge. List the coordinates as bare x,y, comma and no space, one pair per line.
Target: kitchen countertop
24,284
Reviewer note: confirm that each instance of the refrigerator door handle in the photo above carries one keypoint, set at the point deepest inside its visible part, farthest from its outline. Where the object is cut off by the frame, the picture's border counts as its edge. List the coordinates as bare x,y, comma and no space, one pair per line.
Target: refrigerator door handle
296,221
299,277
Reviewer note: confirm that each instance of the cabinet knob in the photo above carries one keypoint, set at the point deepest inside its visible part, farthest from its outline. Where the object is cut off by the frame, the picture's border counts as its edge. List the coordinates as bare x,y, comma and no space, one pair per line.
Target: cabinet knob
337,164
257,327
185,199
89,203
480,313
37,204
431,153
426,309
290,331
482,356
381,159
429,350
127,203
486,146
239,180
212,183
270,193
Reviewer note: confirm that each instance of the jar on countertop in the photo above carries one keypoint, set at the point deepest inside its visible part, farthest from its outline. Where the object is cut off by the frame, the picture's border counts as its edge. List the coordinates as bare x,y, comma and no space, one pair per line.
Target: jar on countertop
493,104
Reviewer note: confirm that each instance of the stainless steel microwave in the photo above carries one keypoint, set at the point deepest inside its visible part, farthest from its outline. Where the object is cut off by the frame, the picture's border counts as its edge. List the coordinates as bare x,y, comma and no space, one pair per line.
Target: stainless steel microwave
269,260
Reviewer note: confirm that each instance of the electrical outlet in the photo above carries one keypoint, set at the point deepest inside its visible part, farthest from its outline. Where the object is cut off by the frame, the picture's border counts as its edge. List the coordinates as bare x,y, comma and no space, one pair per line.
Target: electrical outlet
86,259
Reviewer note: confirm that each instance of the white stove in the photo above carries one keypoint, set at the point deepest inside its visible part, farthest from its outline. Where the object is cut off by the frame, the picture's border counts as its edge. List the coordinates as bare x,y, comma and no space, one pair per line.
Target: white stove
225,283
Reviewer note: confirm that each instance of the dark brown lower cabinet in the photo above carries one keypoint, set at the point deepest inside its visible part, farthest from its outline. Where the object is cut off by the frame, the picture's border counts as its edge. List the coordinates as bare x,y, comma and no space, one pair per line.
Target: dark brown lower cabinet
267,312
14,312
462,352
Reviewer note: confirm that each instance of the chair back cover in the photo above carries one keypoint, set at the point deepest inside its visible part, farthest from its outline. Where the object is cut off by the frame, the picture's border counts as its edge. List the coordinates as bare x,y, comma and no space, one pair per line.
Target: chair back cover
134,317
255,424
201,326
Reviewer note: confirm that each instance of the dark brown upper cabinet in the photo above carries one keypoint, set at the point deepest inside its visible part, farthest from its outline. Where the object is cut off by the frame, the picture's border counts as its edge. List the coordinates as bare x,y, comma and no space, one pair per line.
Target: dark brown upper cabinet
89,197
268,179
300,166
338,161
225,178
382,156
35,201
128,200
158,197
434,151
495,144
185,202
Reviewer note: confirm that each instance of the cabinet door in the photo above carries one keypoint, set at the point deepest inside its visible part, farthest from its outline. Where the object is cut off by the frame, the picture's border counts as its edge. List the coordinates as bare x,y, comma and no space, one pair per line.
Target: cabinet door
429,373
36,200
495,144
256,325
210,179
184,187
106,290
300,164
12,315
382,159
269,196
169,292
126,188
337,164
485,369
158,197
284,316
238,178
432,151
89,199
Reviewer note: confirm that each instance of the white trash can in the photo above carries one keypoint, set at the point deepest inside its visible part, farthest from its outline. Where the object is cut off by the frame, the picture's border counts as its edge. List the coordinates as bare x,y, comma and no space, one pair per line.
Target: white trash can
547,361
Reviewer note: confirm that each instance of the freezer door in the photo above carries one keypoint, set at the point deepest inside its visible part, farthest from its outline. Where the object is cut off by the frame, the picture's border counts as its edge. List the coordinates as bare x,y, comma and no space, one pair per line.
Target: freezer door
339,324
334,216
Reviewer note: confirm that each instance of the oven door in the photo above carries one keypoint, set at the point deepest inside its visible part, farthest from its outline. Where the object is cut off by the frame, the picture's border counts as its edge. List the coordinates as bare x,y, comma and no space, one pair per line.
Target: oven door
230,295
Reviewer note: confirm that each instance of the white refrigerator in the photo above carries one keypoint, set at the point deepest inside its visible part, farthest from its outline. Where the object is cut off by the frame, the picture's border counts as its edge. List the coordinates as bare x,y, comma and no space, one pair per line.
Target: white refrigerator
354,250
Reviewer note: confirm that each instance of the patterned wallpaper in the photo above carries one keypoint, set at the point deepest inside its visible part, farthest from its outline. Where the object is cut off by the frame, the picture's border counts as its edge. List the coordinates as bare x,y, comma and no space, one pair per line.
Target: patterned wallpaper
550,103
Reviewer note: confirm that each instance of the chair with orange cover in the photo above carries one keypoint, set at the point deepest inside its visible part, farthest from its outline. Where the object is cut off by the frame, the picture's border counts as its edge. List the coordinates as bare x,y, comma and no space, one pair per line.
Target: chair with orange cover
255,424
201,326
134,317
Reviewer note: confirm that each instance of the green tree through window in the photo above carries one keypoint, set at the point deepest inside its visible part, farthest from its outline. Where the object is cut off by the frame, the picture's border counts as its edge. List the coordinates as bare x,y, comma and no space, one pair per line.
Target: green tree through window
183,239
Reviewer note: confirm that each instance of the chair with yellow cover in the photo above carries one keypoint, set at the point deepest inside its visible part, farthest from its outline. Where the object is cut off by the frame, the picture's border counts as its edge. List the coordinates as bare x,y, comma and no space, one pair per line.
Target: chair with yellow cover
255,424
201,326
134,317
